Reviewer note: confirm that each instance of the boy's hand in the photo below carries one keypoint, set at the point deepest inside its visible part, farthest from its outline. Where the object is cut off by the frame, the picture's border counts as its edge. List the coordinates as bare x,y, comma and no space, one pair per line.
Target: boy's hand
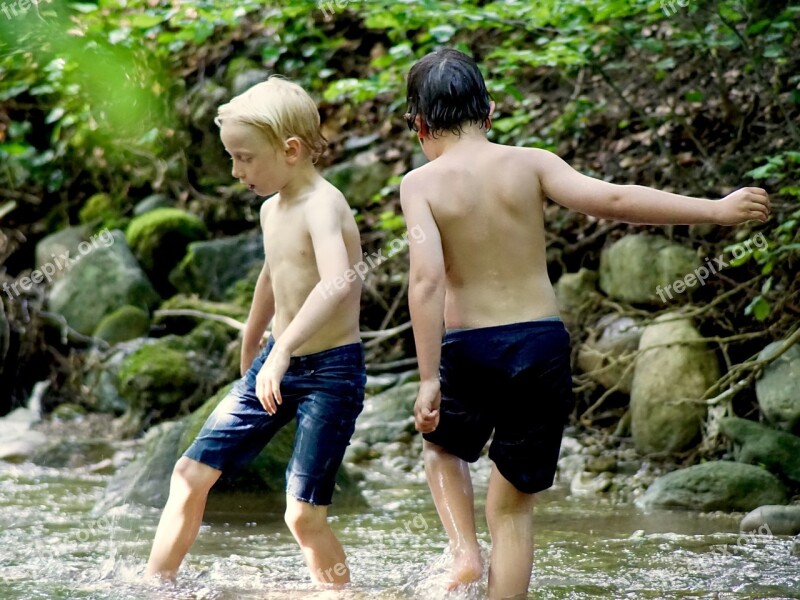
743,205
426,408
268,380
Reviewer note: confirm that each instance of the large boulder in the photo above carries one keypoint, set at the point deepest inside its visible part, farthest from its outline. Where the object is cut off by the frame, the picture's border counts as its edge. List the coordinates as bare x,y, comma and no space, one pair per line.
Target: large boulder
360,178
757,444
669,378
211,267
778,389
608,358
159,239
634,268
72,453
774,520
719,485
145,480
101,282
388,416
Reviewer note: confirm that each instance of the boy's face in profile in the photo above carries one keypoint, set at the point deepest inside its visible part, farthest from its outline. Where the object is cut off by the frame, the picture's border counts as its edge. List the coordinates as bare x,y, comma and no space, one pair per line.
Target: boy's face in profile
256,164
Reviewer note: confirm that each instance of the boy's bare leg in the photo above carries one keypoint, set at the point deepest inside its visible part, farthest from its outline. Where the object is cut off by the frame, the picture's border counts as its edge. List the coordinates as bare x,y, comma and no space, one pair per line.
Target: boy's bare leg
323,553
509,513
451,487
182,516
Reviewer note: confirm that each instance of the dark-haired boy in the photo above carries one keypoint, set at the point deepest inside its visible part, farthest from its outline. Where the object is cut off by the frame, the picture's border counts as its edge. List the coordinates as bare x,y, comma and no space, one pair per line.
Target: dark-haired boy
503,366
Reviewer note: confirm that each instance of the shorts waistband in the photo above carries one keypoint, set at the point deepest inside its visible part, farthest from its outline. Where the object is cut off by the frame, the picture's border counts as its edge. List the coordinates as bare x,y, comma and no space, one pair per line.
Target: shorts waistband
351,353
536,324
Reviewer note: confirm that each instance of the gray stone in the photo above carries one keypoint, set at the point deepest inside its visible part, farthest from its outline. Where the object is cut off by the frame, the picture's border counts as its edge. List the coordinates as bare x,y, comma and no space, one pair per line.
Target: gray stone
608,359
575,292
778,389
718,485
360,178
102,281
145,480
211,267
757,444
52,248
773,520
795,550
389,416
668,380
634,267
152,202
72,454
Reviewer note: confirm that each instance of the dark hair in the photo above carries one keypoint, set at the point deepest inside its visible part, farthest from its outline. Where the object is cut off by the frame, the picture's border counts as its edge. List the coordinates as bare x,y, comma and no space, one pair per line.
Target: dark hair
446,89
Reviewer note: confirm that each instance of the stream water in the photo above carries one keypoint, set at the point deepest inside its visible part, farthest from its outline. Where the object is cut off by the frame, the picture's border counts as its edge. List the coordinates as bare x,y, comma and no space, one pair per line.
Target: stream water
53,546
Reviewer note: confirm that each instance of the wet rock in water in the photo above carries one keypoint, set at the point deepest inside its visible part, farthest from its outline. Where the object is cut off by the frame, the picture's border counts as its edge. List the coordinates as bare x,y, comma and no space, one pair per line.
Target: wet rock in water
211,267
601,464
68,412
152,202
668,381
718,485
54,247
72,453
633,269
159,240
757,444
388,416
778,389
362,177
103,281
795,550
607,359
124,324
589,484
145,480
18,441
773,520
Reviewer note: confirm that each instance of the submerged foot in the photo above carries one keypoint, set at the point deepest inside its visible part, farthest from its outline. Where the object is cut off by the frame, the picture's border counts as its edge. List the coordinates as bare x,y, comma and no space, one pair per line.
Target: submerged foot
467,568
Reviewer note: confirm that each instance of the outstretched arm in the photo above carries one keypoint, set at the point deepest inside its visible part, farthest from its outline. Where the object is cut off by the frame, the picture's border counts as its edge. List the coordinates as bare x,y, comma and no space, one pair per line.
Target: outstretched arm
639,204
426,292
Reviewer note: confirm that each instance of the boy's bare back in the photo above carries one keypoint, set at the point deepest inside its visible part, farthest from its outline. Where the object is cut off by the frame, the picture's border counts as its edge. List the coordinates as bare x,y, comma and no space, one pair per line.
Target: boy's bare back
293,262
487,203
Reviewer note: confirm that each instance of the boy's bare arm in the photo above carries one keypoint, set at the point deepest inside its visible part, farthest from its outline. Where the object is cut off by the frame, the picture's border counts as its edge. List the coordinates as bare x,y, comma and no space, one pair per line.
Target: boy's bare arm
638,204
426,296
262,309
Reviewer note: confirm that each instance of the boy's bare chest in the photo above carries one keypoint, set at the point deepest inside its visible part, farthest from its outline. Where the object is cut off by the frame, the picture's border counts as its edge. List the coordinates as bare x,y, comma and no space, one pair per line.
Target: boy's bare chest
287,240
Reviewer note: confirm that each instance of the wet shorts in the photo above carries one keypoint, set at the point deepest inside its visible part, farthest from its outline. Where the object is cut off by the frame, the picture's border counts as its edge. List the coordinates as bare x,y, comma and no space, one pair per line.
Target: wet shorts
513,380
324,391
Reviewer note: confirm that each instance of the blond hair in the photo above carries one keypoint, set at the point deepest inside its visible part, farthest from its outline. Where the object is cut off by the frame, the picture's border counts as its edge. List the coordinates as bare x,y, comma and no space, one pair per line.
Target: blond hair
281,109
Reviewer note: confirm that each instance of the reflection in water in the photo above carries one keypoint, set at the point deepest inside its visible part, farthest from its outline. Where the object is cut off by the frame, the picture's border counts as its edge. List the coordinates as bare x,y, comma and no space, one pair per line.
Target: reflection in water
50,547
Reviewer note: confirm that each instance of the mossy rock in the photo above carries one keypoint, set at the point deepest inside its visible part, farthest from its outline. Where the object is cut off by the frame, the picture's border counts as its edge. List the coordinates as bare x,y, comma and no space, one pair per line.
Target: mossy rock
151,203
211,267
159,376
104,211
717,485
126,323
99,283
159,239
758,444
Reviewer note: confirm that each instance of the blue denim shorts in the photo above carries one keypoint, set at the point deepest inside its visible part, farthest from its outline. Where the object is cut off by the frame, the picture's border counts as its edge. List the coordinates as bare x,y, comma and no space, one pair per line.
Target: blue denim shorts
323,390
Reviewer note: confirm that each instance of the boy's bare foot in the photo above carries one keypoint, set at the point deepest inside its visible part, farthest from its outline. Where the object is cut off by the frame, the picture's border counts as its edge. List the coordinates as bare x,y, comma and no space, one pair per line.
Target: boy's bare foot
467,568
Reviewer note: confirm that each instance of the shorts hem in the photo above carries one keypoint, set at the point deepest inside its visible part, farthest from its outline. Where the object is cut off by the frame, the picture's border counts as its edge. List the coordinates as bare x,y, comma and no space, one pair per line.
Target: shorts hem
466,457
197,456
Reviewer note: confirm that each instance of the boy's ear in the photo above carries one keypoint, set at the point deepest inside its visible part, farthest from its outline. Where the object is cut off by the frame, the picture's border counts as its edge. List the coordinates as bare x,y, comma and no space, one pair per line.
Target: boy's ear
292,149
492,106
421,126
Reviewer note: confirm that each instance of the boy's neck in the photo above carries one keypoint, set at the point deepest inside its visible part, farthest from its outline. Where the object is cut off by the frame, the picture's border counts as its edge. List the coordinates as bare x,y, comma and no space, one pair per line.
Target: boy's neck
447,141
303,179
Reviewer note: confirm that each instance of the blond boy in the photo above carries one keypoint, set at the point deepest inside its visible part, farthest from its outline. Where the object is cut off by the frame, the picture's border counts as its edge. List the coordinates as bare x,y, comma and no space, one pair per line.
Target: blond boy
312,368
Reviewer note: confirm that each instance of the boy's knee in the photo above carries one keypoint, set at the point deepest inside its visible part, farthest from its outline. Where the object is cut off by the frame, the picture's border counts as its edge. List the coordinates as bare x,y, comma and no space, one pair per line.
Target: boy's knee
304,519
191,476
